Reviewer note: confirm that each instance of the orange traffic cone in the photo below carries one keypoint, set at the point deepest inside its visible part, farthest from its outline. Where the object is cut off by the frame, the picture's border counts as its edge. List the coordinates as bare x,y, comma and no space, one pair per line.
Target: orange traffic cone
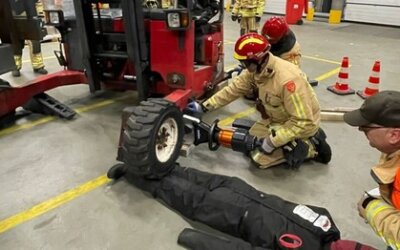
373,82
342,84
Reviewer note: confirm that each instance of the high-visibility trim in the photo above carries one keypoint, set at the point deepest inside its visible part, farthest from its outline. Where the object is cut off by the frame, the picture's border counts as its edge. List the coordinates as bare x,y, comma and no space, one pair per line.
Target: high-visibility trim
373,86
250,40
239,57
373,208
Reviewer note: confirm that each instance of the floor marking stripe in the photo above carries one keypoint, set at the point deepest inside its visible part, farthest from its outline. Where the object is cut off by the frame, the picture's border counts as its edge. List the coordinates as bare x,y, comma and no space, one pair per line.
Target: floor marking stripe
328,74
230,119
63,198
47,119
51,204
321,59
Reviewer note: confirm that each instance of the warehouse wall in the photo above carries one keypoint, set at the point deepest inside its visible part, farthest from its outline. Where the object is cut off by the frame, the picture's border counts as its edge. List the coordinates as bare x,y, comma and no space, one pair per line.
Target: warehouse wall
369,11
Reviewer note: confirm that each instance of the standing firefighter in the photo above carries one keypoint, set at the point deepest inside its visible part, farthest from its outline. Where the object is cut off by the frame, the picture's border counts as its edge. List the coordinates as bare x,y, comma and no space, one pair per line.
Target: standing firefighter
27,9
248,13
288,105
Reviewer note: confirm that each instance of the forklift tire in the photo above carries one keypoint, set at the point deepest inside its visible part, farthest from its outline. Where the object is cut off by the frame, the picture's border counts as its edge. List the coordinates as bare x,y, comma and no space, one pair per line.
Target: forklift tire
153,138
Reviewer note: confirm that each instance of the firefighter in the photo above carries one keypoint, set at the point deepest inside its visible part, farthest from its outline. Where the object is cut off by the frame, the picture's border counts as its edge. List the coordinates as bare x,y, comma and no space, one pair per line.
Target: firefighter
379,119
282,39
27,8
248,13
283,42
287,103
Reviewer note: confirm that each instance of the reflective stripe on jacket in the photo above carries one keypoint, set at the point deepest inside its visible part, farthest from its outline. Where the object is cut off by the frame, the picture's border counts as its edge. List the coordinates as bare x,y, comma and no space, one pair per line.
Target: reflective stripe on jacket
248,8
384,214
288,99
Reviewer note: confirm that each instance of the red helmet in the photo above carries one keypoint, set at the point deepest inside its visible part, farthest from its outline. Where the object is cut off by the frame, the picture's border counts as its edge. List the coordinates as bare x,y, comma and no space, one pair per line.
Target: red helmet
251,46
274,29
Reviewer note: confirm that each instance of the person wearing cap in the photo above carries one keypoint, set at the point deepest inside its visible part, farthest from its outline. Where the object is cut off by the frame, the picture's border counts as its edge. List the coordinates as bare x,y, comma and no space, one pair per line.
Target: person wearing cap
289,108
379,119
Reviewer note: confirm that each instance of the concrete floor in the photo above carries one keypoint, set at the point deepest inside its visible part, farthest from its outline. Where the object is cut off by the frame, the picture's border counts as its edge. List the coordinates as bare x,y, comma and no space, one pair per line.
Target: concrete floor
39,163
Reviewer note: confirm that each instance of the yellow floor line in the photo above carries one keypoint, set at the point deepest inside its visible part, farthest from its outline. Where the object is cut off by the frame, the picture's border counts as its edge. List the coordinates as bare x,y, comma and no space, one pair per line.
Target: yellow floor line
230,119
51,204
86,108
321,59
28,125
328,74
63,198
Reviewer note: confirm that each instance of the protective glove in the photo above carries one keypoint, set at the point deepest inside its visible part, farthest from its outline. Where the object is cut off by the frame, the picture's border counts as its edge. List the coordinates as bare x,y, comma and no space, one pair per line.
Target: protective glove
267,147
234,17
295,153
196,108
258,19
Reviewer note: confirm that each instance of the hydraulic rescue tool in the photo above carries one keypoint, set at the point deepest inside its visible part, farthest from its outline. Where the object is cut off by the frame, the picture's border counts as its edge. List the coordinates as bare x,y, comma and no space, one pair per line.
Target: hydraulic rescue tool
237,137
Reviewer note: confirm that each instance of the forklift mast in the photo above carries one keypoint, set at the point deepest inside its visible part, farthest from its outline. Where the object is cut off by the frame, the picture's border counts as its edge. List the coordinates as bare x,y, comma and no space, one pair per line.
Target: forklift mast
93,37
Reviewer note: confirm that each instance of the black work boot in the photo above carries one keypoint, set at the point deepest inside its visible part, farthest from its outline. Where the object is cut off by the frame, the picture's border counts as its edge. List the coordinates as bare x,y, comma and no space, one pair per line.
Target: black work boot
41,71
322,147
16,73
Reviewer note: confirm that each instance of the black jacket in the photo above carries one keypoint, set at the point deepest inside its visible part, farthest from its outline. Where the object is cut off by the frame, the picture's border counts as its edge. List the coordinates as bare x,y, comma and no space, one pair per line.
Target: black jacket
236,208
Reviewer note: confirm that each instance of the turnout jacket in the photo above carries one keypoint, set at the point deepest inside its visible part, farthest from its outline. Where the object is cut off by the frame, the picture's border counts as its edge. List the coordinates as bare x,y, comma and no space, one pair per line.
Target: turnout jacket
248,8
383,215
234,207
288,99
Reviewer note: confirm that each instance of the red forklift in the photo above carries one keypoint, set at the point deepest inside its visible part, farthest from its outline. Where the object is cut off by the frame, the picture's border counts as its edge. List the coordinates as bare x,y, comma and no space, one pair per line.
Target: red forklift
163,53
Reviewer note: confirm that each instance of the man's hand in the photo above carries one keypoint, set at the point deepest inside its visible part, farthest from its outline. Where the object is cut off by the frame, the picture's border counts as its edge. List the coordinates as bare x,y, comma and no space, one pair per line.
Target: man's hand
267,147
362,205
258,18
361,209
234,17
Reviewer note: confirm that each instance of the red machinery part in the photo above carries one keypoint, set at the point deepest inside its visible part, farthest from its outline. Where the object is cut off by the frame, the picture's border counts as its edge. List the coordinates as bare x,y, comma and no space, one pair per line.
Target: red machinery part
14,97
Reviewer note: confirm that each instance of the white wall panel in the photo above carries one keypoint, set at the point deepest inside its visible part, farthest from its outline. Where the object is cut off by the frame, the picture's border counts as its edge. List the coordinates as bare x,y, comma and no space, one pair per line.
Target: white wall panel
370,13
376,2
275,6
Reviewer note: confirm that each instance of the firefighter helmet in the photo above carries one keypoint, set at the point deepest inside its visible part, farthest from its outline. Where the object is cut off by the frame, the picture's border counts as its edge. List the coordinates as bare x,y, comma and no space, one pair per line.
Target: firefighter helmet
274,29
251,46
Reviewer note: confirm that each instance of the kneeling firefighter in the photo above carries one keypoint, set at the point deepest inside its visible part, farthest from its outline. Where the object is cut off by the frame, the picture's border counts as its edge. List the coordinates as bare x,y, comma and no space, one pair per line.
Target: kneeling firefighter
290,124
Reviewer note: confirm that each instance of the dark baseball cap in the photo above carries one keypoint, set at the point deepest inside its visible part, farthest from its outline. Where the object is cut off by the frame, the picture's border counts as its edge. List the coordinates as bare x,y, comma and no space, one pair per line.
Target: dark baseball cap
382,109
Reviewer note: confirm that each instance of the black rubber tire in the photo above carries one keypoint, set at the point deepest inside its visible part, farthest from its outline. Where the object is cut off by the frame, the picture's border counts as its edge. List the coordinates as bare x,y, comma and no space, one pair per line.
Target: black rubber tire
140,134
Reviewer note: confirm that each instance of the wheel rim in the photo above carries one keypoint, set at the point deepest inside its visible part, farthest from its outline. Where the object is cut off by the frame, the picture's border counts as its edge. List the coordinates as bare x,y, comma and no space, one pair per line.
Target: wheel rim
167,139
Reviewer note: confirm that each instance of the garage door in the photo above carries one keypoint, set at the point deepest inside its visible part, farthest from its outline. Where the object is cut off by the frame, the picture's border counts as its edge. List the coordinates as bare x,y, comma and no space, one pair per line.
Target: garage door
373,11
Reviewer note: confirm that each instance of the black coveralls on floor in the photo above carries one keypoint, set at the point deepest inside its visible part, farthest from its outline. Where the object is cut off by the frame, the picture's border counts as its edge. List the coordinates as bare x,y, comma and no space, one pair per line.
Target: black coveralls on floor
236,208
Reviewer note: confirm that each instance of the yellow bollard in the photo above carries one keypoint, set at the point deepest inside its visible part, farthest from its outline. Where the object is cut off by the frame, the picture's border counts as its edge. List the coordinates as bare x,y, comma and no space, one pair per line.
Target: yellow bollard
335,16
310,11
